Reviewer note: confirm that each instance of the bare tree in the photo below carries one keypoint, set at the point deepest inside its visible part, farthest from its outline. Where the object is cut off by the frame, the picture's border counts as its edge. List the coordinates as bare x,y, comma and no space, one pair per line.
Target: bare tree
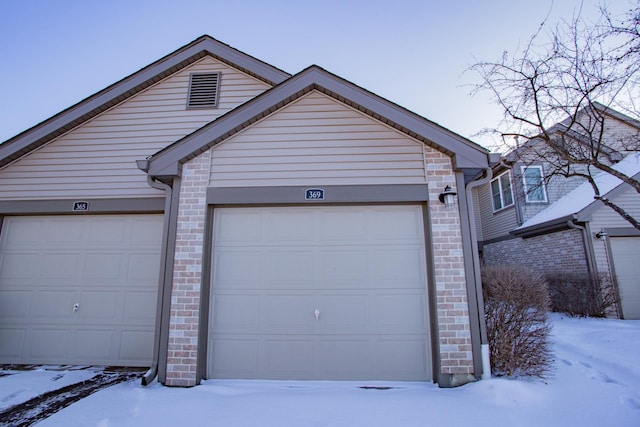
561,92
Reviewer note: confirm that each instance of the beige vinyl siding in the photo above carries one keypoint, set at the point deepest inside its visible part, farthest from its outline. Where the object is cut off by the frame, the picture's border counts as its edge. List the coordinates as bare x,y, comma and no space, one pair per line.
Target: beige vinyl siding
620,136
98,158
317,140
497,224
606,217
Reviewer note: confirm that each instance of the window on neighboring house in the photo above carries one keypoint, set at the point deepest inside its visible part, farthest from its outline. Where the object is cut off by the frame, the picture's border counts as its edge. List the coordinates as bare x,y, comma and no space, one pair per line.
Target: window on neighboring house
501,193
203,90
533,180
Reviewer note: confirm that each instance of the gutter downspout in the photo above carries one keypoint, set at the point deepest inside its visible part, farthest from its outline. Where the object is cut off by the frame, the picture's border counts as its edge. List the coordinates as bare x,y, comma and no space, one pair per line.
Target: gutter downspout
588,248
162,283
484,342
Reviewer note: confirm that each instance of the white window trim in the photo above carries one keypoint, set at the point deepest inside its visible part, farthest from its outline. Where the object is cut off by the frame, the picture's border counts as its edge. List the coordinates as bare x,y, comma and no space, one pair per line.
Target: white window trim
497,178
542,185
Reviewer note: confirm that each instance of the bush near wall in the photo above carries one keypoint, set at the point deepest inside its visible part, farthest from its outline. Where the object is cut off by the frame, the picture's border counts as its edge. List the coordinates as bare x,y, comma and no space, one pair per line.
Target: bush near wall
580,295
516,307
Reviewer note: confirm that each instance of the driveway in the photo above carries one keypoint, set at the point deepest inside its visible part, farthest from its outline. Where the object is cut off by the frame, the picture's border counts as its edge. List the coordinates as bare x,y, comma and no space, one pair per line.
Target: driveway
29,393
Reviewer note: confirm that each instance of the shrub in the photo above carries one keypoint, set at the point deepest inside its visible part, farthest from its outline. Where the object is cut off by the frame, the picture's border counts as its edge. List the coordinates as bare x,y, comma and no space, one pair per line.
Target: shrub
516,306
581,295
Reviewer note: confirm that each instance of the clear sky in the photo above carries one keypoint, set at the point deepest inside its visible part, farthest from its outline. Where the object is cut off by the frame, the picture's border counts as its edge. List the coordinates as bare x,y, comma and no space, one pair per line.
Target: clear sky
55,53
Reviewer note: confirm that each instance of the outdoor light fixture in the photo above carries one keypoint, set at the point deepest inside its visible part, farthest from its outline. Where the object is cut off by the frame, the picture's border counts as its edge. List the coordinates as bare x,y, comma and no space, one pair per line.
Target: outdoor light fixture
448,196
602,235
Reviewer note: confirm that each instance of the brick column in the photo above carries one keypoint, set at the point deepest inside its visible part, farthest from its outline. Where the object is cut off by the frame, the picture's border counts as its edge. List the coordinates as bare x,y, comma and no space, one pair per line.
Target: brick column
187,273
456,357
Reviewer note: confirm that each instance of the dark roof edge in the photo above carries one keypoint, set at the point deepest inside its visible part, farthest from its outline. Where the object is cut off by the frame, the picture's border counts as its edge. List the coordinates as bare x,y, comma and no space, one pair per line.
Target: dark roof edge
545,227
466,153
128,86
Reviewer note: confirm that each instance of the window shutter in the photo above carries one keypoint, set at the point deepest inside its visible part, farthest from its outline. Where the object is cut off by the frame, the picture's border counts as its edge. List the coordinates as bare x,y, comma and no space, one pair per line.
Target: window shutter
203,90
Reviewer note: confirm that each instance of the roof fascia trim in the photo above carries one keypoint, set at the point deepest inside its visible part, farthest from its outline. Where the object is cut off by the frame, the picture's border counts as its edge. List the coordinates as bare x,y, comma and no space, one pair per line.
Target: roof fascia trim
545,227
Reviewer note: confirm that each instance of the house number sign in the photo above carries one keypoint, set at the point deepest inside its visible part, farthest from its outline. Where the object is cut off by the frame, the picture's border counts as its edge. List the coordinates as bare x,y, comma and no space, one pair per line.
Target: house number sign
80,206
314,194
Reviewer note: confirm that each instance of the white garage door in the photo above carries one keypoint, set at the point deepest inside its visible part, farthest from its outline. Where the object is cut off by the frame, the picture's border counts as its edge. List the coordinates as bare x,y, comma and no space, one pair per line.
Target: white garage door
79,289
331,293
626,259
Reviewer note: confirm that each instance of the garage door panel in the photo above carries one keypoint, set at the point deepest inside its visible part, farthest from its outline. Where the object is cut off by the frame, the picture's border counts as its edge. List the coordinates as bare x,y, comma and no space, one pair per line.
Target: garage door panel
344,264
234,226
103,267
289,268
235,358
144,232
60,266
63,232
401,313
49,344
343,224
289,227
54,306
235,268
14,305
367,283
107,232
18,266
347,359
289,358
397,225
236,313
89,260
344,313
289,313
136,347
22,235
139,308
11,343
143,268
400,264
99,307
93,344
402,358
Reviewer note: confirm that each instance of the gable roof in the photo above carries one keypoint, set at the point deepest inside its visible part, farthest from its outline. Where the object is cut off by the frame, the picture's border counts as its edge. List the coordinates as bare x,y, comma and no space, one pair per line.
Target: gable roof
79,113
579,203
514,154
168,162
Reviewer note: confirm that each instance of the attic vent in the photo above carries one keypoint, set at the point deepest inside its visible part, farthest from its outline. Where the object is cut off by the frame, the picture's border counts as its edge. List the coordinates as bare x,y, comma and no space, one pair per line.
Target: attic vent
203,90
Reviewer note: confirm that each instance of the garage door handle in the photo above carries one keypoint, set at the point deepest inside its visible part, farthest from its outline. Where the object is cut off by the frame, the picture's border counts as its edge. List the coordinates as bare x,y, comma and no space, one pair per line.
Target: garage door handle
76,307
317,314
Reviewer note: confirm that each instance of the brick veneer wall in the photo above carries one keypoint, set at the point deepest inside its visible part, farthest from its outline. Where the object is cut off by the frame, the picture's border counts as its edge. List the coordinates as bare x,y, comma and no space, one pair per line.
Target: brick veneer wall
451,295
549,253
451,291
187,273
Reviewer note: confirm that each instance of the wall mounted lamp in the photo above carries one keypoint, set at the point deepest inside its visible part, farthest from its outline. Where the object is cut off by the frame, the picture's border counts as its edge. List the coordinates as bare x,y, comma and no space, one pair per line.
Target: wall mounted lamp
448,196
602,235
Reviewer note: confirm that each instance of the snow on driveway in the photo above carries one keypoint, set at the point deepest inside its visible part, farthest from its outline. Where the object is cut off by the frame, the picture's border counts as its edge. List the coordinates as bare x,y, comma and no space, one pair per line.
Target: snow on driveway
596,382
20,386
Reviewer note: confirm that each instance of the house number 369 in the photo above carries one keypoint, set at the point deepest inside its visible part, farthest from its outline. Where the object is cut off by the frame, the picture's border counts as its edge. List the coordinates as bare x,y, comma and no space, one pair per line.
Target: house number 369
314,194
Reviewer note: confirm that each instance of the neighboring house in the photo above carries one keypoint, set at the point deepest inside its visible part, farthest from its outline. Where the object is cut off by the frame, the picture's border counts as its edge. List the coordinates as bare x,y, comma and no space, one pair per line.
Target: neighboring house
555,225
211,216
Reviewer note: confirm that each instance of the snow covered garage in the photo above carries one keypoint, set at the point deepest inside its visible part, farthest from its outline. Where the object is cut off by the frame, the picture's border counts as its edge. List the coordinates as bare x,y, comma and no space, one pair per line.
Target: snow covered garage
311,242
304,234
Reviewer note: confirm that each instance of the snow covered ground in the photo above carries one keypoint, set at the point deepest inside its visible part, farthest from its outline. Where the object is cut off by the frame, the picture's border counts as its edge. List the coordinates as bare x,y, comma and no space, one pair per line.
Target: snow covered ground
596,382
